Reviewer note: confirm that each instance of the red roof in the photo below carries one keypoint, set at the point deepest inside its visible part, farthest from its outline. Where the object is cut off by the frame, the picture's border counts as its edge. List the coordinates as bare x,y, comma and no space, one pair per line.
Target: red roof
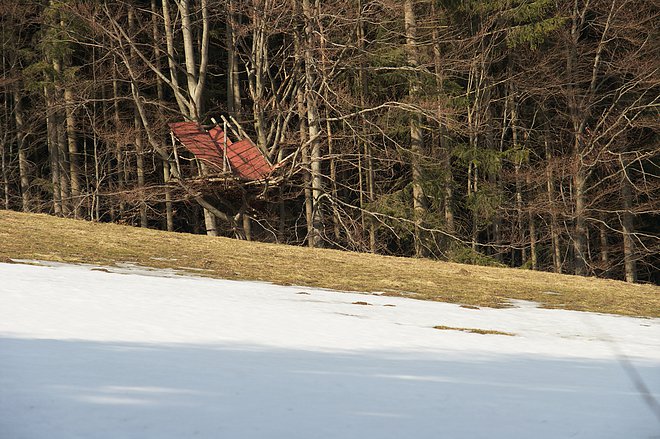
246,160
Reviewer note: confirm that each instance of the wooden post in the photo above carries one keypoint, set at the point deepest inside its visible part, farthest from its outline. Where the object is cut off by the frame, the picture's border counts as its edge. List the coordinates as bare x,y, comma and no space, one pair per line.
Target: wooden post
176,156
225,162
224,147
228,125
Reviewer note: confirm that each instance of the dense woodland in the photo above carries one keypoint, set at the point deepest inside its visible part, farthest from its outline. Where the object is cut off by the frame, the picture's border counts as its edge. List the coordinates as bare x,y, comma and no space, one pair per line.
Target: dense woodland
515,132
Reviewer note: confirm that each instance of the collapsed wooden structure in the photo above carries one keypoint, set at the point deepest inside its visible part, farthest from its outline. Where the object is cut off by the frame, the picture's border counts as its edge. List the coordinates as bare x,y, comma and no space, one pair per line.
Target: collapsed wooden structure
242,159
237,175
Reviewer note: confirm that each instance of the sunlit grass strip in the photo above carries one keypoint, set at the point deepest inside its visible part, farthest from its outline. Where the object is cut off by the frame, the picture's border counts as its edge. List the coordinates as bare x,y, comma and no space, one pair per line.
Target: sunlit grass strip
44,237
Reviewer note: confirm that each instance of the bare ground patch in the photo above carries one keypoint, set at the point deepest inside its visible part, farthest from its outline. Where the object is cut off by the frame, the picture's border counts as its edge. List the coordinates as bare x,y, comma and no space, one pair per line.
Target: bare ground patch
474,330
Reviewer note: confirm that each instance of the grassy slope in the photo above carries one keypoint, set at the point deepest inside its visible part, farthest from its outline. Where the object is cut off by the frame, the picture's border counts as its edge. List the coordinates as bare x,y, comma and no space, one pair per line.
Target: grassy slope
32,236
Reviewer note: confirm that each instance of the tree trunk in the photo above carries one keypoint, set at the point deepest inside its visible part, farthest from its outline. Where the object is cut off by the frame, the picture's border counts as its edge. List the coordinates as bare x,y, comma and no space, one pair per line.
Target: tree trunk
196,76
416,135
74,169
53,151
447,179
307,175
627,222
313,125
332,154
60,127
139,163
247,227
520,226
554,226
333,181
64,165
473,188
580,111
604,247
532,242
23,165
210,221
5,134
155,33
119,156
257,71
233,73
580,231
5,171
531,218
169,210
171,57
366,148
139,149
579,176
210,224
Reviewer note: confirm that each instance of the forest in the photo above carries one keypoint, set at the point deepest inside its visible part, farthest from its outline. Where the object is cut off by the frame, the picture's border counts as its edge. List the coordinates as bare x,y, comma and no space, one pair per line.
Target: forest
522,133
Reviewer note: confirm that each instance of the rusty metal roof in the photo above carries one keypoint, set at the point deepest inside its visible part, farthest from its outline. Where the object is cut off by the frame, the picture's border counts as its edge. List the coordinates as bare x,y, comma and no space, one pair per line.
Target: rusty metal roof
245,159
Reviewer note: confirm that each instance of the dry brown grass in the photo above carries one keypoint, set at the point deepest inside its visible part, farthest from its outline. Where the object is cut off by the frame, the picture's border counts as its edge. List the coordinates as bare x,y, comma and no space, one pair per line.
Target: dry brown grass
35,236
474,330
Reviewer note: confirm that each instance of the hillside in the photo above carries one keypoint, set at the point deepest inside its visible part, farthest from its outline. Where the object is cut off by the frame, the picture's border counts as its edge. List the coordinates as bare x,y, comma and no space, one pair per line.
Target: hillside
43,237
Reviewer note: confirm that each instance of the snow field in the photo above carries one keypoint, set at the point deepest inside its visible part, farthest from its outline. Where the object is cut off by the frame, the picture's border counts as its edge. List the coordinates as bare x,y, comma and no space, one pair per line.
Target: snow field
134,353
